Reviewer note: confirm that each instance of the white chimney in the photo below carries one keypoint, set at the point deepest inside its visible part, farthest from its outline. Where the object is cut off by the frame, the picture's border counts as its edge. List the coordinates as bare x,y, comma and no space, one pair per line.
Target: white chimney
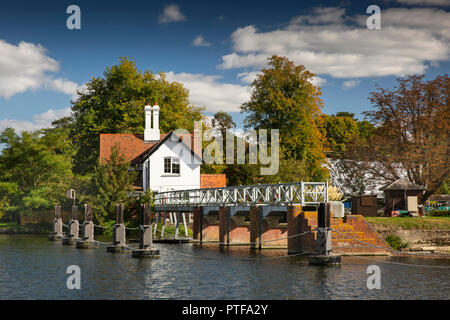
151,132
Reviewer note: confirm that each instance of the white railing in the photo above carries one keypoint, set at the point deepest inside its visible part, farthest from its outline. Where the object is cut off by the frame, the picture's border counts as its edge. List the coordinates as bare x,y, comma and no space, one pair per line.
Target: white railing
304,193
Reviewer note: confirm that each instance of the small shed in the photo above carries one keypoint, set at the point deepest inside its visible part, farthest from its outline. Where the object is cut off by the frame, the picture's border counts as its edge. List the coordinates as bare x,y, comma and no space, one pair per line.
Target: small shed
365,205
402,195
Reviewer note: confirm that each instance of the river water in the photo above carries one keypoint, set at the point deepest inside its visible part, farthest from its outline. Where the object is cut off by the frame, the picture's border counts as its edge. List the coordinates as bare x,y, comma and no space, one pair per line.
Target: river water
31,267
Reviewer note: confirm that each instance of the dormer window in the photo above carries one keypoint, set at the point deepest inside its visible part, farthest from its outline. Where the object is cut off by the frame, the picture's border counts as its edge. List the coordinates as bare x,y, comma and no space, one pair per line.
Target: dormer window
172,165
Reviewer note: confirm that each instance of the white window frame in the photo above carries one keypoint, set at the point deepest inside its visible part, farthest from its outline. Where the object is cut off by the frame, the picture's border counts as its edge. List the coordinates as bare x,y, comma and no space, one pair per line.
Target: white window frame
173,160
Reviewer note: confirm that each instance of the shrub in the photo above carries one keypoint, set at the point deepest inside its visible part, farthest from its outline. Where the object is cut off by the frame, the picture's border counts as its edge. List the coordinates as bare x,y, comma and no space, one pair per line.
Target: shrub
438,213
395,242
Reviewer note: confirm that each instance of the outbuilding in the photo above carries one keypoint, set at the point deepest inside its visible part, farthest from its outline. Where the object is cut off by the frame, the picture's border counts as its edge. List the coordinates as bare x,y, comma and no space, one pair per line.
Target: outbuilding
402,194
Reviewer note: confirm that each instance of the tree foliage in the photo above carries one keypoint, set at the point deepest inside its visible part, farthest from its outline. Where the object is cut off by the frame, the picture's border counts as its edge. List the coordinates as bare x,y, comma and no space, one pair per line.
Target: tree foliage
111,183
284,98
412,131
115,103
35,168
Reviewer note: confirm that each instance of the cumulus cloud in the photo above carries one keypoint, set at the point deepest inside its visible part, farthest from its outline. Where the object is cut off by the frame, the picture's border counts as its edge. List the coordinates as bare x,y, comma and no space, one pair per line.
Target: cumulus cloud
39,121
206,91
249,77
425,2
200,42
27,66
410,40
350,84
171,13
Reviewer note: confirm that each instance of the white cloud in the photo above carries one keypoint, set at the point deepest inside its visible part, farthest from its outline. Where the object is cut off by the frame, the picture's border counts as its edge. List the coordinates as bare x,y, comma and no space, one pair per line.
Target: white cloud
40,121
28,67
425,2
206,91
350,84
249,77
318,81
410,40
171,13
200,42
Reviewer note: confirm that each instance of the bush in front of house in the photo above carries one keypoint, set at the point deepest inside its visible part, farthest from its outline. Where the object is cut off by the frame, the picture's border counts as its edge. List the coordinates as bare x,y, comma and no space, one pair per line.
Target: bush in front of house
438,213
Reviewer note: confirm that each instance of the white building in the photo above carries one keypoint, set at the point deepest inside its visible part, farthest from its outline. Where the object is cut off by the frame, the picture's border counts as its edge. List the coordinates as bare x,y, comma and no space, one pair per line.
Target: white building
165,161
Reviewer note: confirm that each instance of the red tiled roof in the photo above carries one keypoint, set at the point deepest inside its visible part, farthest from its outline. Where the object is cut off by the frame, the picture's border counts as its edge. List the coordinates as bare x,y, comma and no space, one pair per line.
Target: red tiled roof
132,146
213,181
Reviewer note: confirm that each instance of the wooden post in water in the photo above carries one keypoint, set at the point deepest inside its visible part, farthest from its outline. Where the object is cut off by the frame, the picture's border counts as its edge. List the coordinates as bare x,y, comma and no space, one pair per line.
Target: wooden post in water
323,232
87,238
119,232
57,232
73,228
145,236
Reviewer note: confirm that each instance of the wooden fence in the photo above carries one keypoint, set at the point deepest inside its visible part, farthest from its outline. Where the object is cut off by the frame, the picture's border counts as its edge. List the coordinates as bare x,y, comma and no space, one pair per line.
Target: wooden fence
43,216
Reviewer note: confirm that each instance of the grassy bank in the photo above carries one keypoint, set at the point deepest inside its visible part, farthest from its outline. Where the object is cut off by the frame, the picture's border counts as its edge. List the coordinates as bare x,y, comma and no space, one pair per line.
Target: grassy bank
411,223
13,227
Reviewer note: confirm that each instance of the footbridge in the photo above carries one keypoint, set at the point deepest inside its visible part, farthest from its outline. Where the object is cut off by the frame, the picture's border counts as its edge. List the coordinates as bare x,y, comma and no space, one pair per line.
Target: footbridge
281,194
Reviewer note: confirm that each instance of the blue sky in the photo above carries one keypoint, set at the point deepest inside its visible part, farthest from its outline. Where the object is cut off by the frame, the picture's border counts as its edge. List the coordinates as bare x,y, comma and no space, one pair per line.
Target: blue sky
214,47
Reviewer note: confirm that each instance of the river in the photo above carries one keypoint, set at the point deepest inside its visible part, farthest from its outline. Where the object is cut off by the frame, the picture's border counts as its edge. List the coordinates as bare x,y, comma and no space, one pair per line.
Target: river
31,267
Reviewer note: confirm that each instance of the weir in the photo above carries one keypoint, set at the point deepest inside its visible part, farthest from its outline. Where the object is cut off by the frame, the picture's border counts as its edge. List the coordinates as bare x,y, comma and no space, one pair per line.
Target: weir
119,232
87,238
73,228
57,227
296,217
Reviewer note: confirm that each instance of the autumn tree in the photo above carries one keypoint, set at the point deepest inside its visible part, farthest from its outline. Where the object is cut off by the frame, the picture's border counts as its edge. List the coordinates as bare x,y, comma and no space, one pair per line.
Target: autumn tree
412,132
115,103
284,98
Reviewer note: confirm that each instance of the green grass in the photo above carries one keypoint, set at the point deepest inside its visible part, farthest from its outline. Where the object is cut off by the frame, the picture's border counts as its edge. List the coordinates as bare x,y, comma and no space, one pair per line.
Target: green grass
41,228
169,230
412,223
9,225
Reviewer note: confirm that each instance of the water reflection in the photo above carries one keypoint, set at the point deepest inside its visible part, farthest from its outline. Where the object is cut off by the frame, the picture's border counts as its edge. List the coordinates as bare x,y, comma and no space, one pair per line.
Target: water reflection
33,268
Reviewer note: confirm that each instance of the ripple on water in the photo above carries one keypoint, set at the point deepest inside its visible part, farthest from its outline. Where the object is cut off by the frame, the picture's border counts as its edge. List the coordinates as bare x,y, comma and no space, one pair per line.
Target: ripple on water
33,268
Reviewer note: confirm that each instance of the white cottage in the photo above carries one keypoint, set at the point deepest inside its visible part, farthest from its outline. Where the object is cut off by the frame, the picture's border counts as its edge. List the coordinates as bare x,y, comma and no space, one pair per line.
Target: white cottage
165,161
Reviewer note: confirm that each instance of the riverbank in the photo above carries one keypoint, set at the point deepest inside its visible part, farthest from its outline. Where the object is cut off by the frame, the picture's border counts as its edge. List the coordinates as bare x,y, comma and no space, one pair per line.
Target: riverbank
14,228
429,234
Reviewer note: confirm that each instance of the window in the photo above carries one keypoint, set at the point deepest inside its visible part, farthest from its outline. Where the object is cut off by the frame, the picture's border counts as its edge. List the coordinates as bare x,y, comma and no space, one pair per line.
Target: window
167,167
176,166
172,165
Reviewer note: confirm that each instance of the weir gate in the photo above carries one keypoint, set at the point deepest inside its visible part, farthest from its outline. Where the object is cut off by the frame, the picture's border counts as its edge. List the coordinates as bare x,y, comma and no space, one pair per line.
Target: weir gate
293,216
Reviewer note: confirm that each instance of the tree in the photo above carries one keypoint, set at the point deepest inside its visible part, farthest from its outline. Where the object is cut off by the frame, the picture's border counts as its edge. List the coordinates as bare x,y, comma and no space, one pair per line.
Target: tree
35,168
412,131
284,98
223,122
338,131
115,104
111,183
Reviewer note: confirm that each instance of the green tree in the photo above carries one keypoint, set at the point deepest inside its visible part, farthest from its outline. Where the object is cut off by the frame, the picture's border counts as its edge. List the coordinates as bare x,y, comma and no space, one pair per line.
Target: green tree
284,98
36,166
223,122
339,132
115,103
111,183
